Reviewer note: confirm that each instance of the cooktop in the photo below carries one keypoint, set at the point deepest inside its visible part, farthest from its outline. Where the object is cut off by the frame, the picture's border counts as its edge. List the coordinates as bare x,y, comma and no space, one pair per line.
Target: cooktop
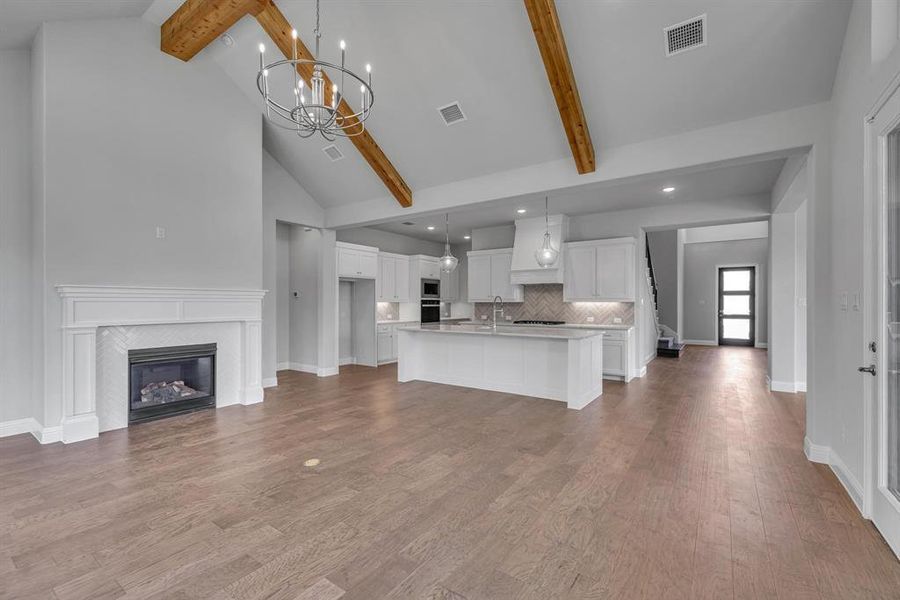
538,322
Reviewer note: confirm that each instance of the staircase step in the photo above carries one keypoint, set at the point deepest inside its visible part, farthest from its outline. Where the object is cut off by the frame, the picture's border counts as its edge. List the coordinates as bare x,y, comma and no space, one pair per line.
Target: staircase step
673,352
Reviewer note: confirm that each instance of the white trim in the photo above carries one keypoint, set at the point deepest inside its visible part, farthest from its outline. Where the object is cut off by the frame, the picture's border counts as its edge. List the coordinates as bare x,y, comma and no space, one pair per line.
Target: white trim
283,366
44,435
826,456
18,427
301,367
270,382
347,360
700,342
789,387
801,386
327,371
762,345
635,373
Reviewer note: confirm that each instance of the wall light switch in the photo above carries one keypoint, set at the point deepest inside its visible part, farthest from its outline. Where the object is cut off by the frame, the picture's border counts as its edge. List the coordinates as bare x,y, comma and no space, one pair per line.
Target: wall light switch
845,301
856,301
590,319
160,233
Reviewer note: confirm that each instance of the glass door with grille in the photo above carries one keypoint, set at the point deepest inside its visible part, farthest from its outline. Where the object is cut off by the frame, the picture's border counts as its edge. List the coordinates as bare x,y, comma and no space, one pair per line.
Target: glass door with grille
737,306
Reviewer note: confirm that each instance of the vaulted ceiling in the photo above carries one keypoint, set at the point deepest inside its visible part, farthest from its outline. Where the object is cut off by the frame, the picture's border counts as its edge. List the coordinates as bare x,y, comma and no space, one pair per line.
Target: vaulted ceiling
761,57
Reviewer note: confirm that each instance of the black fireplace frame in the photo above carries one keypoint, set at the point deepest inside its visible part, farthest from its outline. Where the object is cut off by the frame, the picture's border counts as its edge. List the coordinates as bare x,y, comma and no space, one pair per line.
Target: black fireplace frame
160,411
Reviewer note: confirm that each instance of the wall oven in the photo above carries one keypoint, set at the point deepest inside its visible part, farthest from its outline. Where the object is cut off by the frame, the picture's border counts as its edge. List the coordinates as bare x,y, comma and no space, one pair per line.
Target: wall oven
431,311
431,289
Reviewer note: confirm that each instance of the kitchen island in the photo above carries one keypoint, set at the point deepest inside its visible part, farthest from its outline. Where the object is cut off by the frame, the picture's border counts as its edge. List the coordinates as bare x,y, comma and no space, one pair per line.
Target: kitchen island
557,364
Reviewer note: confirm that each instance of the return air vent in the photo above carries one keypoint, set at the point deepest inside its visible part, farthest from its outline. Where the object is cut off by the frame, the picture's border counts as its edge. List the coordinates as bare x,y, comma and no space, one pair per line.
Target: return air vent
452,113
333,152
686,35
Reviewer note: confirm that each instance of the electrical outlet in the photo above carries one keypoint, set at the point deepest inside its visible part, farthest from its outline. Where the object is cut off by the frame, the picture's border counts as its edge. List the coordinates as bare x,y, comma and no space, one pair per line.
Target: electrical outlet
160,233
484,317
590,319
296,294
617,320
845,301
508,318
856,301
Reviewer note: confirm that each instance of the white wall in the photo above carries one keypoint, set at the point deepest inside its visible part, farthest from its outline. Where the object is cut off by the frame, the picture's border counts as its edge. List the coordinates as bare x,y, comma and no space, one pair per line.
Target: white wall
724,233
782,302
281,293
836,341
134,139
16,298
305,258
800,336
285,201
389,242
701,285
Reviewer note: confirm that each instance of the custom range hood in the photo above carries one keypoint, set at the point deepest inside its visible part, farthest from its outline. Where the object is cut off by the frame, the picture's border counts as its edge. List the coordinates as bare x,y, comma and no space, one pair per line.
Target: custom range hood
529,237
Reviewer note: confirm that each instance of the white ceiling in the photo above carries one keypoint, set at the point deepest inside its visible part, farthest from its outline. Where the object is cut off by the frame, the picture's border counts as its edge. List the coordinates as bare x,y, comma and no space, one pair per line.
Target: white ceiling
705,187
20,19
761,57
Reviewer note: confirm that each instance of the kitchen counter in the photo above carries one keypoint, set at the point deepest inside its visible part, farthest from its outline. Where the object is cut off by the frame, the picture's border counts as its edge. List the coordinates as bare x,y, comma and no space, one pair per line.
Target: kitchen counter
615,326
562,333
402,322
564,364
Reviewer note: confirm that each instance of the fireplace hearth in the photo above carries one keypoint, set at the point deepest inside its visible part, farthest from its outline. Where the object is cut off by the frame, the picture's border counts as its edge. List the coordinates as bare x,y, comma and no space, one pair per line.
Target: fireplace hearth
168,381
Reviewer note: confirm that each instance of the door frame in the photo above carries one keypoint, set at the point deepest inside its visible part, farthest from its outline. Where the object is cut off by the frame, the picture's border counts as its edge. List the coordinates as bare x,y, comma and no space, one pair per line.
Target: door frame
755,267
874,245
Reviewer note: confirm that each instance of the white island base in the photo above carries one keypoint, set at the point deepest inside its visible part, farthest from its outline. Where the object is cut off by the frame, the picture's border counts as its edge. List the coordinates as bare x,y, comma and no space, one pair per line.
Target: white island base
553,364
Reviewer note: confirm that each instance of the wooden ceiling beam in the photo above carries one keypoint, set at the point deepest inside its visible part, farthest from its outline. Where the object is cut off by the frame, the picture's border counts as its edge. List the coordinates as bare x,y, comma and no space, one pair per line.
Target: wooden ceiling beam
274,23
549,36
196,23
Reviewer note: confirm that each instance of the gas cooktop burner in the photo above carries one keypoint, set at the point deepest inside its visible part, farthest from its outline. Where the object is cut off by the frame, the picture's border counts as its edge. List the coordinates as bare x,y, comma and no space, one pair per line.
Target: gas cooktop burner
538,322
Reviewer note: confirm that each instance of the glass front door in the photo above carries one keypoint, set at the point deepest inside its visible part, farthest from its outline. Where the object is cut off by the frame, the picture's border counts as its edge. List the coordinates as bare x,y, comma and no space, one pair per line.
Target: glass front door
737,306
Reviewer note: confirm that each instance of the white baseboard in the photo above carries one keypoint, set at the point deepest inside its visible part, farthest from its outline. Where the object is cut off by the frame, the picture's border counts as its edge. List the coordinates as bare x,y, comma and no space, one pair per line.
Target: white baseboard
302,367
761,345
270,382
18,427
348,360
791,387
700,342
639,372
327,371
45,435
283,366
826,456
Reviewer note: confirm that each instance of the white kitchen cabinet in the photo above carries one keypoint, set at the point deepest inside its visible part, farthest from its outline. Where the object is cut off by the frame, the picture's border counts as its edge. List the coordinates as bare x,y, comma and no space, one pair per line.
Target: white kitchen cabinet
489,276
600,271
358,262
429,268
421,267
385,347
480,278
393,278
617,344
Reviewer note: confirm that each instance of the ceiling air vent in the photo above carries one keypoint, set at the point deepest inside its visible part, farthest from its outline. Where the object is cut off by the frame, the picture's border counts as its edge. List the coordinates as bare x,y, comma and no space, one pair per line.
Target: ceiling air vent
452,113
407,223
333,152
686,35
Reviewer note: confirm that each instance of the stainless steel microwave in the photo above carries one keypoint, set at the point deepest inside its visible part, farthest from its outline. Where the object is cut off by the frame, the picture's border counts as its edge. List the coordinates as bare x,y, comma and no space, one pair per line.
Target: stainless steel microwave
431,288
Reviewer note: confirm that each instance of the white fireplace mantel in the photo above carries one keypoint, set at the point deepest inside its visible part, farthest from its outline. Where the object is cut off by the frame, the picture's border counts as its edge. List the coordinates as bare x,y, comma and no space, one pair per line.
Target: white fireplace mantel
86,308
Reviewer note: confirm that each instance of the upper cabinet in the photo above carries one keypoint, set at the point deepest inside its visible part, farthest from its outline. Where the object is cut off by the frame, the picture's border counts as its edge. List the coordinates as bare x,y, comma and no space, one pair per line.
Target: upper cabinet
392,284
489,276
600,271
450,285
358,262
429,268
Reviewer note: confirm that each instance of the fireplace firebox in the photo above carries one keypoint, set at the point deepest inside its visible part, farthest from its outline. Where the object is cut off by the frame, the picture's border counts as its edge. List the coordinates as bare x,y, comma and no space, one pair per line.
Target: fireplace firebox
167,381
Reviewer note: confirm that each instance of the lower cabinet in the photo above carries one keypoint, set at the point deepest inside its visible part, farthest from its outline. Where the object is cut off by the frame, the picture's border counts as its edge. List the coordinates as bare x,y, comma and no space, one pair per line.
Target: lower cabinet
617,354
388,336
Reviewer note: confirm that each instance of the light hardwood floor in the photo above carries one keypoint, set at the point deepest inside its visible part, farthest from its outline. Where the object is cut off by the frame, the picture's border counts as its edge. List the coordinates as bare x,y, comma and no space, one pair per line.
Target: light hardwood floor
689,483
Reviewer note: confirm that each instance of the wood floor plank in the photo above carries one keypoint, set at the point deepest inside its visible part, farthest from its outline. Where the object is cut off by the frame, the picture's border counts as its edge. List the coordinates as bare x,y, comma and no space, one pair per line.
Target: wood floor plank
688,483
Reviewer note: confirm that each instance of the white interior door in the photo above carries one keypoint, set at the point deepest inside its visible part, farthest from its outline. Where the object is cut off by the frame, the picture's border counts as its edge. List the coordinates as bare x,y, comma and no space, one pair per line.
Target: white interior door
885,488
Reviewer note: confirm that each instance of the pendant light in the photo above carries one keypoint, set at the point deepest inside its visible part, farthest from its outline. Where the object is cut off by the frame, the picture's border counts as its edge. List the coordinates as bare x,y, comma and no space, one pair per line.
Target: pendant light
546,255
448,261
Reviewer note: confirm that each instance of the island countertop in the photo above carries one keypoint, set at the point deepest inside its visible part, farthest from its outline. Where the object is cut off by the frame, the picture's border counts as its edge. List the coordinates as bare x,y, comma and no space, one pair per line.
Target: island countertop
506,331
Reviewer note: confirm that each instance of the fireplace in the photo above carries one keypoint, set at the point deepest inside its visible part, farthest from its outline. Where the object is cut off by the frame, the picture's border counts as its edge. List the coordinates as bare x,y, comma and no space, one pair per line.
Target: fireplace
167,381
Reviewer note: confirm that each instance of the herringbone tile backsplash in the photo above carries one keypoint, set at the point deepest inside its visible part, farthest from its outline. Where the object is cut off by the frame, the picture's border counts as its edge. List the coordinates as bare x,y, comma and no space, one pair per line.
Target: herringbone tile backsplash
546,302
387,311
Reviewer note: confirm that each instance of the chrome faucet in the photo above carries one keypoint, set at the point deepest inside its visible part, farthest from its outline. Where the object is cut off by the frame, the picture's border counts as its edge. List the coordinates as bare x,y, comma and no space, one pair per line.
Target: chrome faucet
496,310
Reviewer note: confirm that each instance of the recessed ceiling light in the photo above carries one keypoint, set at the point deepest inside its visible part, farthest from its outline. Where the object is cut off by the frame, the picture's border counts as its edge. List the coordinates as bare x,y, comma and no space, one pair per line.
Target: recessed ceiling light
467,237
521,211
668,190
430,228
